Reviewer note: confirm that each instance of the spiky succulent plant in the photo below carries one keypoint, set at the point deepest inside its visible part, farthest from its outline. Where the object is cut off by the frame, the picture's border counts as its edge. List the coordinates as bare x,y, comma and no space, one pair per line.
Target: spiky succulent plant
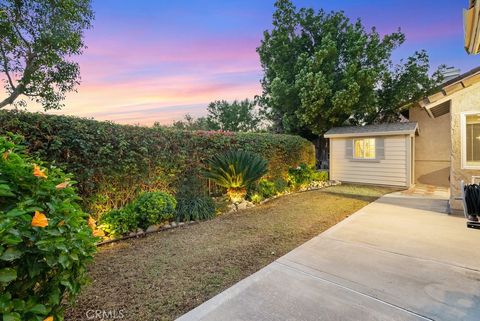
236,170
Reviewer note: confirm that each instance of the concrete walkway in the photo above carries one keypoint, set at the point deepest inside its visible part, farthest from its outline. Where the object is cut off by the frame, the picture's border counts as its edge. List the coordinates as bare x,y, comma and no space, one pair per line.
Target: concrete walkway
399,258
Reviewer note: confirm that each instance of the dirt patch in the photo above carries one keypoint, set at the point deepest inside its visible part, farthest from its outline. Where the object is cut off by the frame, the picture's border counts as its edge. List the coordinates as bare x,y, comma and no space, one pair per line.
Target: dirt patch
164,275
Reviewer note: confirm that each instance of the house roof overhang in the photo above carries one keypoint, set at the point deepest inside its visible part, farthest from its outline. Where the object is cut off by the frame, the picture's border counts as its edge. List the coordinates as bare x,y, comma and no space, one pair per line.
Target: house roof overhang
438,103
471,26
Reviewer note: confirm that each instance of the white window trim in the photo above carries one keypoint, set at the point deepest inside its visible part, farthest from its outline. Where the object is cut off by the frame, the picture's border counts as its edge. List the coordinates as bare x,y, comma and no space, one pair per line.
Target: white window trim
364,158
463,139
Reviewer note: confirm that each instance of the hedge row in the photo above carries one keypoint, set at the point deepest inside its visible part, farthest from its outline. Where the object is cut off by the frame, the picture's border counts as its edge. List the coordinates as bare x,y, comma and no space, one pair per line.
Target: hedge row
114,163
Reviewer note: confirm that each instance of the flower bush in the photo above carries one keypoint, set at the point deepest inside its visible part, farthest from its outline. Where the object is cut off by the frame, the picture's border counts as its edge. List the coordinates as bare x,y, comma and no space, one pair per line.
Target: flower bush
45,240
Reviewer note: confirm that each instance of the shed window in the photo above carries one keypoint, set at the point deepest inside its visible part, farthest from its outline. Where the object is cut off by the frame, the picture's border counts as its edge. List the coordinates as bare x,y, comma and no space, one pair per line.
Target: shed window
364,148
472,140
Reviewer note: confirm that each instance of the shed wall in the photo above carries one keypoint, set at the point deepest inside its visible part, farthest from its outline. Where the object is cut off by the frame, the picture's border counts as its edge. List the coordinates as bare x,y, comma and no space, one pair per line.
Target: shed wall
392,170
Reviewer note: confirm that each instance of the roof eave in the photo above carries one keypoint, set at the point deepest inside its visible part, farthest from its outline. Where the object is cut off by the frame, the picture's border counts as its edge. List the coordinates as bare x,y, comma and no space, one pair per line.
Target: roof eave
367,134
449,88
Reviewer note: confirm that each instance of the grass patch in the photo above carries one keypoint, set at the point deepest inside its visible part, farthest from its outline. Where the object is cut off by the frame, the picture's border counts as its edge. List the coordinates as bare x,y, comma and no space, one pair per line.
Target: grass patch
164,275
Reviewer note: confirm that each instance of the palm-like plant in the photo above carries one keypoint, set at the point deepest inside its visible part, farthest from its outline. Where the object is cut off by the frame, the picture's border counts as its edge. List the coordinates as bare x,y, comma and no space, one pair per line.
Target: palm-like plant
236,170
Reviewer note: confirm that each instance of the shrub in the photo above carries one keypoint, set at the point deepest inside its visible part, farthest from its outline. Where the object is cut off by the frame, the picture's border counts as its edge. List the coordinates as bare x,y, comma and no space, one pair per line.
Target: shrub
192,201
256,198
320,176
236,171
115,163
119,222
264,188
195,208
153,208
303,175
300,176
281,185
149,209
45,242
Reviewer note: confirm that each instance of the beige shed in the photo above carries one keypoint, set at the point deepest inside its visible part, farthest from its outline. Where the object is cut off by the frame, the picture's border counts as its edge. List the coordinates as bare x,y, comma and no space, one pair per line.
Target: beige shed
380,154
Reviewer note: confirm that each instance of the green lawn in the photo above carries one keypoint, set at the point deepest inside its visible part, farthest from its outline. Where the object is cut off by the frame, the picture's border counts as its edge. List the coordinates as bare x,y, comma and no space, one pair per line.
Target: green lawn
163,275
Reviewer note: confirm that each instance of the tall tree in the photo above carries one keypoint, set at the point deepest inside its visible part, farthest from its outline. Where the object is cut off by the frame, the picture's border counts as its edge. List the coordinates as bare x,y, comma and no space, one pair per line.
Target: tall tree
238,116
322,70
38,40
190,123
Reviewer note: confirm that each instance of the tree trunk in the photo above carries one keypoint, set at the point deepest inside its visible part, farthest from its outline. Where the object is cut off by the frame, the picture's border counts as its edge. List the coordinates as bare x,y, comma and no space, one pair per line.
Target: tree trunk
13,96
322,152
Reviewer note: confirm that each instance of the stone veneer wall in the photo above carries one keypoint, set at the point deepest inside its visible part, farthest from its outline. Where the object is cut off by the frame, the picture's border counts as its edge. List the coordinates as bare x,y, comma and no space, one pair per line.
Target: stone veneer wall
466,100
432,148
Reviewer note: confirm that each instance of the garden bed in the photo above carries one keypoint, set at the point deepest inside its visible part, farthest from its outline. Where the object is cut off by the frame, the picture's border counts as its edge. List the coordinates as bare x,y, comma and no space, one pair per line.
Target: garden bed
163,275
232,208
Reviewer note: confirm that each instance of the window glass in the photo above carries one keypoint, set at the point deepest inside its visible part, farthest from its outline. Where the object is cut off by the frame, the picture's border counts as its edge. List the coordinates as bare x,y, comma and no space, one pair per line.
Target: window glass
473,140
364,148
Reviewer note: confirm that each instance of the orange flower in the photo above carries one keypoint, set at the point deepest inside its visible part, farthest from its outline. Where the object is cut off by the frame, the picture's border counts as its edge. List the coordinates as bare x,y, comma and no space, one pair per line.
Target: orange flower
98,233
91,223
38,172
62,185
39,220
5,154
50,318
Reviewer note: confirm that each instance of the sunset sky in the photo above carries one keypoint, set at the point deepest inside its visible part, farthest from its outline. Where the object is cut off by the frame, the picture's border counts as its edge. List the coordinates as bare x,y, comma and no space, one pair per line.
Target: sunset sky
158,60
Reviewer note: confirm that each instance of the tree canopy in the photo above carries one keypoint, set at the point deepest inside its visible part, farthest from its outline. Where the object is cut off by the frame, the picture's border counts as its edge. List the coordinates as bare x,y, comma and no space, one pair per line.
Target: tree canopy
237,116
323,70
190,123
37,44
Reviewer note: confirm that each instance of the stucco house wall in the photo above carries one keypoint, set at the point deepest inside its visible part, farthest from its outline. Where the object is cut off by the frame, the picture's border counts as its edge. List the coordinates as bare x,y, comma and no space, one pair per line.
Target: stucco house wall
467,100
391,170
432,148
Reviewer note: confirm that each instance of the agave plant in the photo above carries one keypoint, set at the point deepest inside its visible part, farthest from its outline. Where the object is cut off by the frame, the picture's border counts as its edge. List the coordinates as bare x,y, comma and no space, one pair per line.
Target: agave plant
236,170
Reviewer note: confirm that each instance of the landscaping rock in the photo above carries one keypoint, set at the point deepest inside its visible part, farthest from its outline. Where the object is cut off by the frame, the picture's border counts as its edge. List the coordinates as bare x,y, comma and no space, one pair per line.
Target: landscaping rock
167,226
153,228
181,224
173,224
242,205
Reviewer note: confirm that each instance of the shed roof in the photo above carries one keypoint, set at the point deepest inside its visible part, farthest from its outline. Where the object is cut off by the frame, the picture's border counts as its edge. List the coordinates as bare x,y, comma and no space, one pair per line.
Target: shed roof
373,130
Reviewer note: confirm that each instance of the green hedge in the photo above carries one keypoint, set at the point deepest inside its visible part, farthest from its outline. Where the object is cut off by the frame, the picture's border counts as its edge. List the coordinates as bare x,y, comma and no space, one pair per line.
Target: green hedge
114,163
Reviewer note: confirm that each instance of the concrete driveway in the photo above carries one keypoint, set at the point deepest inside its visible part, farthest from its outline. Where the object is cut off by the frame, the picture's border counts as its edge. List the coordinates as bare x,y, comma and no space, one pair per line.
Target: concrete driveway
399,258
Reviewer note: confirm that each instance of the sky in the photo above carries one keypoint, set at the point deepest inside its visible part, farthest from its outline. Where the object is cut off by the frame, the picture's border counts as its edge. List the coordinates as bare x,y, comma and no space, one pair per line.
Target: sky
157,60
